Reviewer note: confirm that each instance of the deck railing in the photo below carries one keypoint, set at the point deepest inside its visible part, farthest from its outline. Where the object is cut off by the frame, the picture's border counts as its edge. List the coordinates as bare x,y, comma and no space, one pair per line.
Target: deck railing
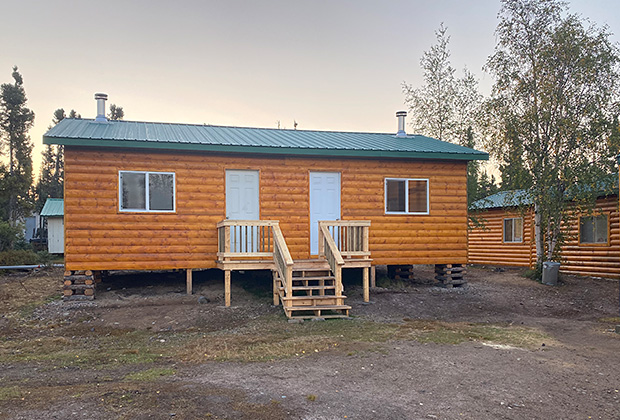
283,260
256,239
245,238
332,255
350,237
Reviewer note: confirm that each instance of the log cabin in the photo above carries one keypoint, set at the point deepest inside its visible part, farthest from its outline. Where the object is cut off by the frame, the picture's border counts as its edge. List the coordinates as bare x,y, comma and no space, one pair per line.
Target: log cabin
506,236
303,204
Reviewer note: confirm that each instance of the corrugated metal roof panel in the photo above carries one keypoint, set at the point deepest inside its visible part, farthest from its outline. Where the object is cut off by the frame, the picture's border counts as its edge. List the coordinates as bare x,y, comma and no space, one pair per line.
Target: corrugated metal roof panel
514,198
242,139
53,207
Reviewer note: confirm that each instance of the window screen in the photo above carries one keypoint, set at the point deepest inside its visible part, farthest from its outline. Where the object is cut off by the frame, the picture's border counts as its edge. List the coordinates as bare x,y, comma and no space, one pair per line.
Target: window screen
395,195
133,191
161,192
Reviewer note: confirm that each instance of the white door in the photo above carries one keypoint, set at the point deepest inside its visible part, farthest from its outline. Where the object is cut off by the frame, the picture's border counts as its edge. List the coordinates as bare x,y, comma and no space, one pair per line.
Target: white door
241,204
324,203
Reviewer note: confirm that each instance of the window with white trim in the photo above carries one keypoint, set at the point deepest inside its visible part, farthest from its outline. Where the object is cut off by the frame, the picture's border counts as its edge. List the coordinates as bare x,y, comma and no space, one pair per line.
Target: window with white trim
406,196
513,229
593,229
146,191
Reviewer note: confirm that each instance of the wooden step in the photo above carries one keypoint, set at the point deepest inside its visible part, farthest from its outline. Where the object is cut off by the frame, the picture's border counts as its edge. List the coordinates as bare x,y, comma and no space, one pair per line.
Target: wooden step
317,308
314,278
330,316
313,297
332,287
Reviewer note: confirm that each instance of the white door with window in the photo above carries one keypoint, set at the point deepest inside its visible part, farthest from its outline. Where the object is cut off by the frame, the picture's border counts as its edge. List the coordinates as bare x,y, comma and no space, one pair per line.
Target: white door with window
241,204
324,203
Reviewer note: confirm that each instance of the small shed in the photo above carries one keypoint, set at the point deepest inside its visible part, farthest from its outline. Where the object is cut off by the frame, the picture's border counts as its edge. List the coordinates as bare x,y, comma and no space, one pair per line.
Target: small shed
54,213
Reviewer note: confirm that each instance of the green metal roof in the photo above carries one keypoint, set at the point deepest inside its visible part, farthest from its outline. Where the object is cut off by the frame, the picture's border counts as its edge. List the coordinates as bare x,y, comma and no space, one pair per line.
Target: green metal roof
54,207
514,198
133,134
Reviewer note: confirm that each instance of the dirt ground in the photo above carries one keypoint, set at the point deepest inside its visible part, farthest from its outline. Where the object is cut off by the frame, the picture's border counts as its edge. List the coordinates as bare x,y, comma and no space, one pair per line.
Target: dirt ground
502,347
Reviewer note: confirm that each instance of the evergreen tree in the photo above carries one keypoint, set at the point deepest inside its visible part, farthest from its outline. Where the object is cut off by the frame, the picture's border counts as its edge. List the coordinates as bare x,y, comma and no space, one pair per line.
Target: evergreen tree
51,179
116,112
16,175
514,174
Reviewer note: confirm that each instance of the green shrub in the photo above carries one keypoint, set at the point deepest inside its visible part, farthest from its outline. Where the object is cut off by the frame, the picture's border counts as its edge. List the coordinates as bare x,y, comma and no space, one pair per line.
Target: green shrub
9,236
535,273
19,257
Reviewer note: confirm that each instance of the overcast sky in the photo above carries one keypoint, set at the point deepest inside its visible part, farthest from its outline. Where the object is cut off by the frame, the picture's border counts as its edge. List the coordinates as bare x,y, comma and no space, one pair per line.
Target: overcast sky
329,65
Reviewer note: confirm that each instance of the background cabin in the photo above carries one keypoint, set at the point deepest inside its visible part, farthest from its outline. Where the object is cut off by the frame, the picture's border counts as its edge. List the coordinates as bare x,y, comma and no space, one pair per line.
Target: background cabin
507,237
155,196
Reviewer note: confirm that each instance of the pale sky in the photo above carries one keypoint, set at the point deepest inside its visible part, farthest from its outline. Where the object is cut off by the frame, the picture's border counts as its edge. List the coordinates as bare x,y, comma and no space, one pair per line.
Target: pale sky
329,65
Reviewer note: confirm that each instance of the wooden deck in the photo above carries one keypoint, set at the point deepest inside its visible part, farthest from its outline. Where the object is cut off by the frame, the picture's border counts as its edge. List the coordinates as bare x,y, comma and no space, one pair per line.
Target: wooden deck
305,288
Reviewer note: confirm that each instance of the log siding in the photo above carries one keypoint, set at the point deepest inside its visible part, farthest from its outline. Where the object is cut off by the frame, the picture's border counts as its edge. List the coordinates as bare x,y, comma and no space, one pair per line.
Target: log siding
100,237
486,246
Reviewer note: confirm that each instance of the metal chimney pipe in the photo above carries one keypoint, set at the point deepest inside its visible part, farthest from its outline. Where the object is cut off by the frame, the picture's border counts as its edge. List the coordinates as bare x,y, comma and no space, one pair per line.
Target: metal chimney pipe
401,124
101,98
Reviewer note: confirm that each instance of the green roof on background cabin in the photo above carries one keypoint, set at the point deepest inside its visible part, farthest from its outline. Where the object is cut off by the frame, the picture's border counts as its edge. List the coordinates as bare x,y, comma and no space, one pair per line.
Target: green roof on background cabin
54,207
149,135
515,198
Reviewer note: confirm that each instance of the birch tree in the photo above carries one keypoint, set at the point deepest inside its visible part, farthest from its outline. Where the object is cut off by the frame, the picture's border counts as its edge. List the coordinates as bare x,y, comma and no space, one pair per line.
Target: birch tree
555,81
446,107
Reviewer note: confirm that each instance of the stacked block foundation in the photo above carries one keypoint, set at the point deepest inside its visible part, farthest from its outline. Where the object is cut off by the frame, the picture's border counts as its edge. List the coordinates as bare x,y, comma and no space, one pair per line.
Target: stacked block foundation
401,272
80,285
450,275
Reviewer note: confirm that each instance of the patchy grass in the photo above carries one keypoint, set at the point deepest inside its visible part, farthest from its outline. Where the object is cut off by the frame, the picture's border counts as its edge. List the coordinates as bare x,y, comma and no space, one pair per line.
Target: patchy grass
150,375
270,338
22,293
95,349
612,320
10,393
458,332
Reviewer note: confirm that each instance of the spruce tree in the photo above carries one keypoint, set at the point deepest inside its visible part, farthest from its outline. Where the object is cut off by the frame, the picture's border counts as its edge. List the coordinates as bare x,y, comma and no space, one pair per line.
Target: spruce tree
51,178
15,175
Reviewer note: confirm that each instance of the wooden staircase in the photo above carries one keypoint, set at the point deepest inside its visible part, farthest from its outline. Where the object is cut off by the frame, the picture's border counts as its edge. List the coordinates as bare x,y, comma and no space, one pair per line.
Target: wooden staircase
305,288
313,292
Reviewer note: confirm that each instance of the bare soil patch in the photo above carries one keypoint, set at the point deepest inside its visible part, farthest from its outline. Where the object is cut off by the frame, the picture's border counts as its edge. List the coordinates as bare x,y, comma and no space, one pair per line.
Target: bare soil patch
501,347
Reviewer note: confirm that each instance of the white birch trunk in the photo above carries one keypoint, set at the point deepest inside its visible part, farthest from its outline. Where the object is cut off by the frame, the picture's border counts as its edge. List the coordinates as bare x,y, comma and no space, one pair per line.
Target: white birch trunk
540,248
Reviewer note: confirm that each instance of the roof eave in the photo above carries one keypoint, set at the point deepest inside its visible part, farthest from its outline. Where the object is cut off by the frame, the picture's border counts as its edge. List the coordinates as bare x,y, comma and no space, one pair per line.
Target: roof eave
134,144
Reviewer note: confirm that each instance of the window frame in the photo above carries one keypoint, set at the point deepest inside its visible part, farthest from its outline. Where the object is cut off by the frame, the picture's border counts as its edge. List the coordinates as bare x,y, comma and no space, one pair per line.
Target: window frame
513,230
147,192
385,196
592,216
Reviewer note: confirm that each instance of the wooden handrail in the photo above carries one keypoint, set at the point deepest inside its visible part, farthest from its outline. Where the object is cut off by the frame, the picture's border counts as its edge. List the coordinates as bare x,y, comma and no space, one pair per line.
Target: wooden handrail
282,259
345,222
229,222
350,236
245,238
333,257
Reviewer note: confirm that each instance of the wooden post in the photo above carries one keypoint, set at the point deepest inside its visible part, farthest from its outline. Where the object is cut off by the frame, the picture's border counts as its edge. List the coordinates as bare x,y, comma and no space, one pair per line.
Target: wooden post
373,276
365,284
226,239
338,276
188,281
227,287
276,295
321,244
